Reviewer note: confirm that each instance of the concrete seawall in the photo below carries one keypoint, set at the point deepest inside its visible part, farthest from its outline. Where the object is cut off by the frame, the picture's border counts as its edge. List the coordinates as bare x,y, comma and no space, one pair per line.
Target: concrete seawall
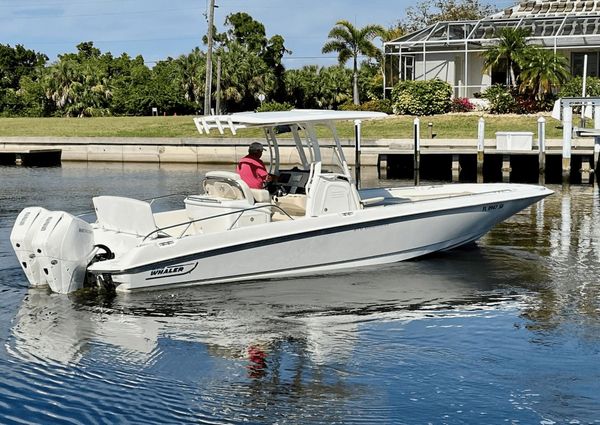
169,150
230,150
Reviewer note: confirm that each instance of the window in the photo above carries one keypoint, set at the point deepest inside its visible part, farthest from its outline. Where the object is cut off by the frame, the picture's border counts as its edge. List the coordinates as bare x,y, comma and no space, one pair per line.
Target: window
407,68
592,65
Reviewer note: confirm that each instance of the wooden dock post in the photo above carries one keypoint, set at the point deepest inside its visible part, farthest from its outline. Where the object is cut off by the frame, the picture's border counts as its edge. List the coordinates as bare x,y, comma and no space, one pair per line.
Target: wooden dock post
542,144
417,149
455,168
586,169
480,148
357,147
382,166
567,135
506,169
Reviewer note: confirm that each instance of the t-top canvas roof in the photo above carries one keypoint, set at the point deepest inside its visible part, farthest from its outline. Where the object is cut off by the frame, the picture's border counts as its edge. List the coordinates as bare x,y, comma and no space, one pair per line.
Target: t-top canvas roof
269,119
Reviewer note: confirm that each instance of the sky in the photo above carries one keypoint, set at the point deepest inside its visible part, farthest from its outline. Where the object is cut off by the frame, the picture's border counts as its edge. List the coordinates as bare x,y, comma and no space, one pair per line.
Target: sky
157,29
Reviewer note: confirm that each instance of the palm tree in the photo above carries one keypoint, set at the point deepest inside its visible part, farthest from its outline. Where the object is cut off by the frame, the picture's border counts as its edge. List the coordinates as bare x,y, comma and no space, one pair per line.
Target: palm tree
541,70
511,48
350,42
192,68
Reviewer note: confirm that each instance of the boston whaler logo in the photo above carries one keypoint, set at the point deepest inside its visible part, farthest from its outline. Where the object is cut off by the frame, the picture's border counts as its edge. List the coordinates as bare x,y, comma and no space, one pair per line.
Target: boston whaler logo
171,271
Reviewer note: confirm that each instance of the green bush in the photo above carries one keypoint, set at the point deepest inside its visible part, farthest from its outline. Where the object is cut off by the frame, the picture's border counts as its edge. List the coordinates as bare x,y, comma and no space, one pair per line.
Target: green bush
422,97
274,106
573,87
507,101
501,99
379,105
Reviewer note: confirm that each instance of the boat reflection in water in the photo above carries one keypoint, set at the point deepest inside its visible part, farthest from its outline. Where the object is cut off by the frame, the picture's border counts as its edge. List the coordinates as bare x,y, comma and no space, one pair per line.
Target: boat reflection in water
321,316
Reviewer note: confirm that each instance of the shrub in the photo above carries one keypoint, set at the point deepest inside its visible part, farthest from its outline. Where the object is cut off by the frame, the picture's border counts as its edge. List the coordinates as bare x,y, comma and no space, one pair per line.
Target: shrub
379,105
274,106
421,97
462,104
506,101
501,100
573,87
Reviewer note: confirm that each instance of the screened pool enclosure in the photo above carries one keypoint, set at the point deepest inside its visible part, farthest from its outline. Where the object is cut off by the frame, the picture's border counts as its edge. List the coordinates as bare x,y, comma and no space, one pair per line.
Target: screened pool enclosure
451,51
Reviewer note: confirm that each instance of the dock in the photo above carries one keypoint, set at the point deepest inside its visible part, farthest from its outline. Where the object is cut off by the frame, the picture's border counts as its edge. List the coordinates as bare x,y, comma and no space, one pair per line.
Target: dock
18,155
437,159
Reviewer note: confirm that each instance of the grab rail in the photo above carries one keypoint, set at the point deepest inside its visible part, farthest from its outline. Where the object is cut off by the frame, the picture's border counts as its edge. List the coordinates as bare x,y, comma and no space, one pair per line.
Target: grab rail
189,223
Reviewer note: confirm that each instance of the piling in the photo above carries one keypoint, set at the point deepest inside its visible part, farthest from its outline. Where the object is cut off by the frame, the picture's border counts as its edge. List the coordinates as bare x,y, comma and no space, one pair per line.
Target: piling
357,136
480,148
417,149
567,135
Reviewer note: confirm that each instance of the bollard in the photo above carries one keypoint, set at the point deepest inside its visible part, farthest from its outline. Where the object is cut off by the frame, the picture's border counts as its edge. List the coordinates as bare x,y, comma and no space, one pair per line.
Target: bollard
430,129
542,145
417,149
480,148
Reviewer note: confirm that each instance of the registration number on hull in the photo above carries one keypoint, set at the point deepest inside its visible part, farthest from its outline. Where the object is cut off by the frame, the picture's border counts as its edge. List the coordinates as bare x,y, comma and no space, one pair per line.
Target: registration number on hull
492,207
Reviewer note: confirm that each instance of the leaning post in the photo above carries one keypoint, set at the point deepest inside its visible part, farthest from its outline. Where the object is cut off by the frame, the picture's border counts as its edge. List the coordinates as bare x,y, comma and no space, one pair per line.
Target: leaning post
357,136
417,149
480,148
567,135
542,145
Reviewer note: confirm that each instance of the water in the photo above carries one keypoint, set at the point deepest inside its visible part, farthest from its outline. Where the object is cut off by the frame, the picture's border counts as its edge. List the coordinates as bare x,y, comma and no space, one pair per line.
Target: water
503,331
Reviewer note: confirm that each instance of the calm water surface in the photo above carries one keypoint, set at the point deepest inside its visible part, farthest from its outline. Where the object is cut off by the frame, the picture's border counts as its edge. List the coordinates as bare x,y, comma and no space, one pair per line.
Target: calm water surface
504,331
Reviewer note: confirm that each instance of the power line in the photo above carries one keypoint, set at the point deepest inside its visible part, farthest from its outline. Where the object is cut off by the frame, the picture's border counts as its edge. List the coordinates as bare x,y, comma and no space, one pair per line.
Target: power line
94,15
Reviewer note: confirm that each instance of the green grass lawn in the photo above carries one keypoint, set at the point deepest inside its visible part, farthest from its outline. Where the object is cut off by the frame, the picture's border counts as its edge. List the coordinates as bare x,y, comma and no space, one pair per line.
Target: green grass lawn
451,126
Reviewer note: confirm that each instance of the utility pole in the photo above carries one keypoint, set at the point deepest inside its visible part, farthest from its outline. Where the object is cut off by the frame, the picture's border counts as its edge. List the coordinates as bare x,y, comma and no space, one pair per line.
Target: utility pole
208,86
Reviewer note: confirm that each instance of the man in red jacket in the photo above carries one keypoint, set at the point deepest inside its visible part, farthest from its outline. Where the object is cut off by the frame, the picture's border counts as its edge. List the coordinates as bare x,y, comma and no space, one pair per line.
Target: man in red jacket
251,168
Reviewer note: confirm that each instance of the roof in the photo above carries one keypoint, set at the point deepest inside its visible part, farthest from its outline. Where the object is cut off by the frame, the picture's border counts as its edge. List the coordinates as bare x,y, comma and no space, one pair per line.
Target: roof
549,8
564,22
268,119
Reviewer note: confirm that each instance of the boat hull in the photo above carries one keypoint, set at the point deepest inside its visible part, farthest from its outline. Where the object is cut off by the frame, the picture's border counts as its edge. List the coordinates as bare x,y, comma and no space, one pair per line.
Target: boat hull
319,245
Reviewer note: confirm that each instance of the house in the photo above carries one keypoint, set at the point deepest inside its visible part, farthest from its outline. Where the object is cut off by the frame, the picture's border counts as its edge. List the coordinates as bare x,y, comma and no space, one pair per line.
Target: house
451,51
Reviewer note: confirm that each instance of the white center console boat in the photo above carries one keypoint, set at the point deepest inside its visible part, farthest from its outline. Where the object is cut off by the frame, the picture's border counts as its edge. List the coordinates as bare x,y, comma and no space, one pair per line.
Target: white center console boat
318,221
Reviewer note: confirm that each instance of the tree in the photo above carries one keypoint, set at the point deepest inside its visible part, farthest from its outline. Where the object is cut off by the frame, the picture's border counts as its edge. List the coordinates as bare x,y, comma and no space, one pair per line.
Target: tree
349,42
510,49
428,12
193,66
319,87
541,70
243,76
243,29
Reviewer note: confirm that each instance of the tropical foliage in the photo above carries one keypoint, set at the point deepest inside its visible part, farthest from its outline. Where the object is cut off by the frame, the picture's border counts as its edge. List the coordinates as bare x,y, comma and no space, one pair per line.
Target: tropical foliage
349,42
510,50
574,87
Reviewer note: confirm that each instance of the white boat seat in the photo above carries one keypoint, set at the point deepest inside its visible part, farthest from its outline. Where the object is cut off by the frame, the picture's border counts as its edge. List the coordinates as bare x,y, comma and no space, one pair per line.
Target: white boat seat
261,195
125,215
216,185
293,204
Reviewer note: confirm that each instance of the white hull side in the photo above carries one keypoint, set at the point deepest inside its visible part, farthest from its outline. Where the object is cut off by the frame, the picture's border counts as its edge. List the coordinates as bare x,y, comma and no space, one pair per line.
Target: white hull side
389,239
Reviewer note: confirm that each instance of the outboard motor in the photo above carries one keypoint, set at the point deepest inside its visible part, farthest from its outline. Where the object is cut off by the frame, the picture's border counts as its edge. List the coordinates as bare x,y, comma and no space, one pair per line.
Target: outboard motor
25,228
64,246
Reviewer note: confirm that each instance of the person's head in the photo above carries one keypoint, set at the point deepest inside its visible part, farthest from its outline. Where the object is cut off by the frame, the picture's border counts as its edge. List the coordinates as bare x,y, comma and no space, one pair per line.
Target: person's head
255,149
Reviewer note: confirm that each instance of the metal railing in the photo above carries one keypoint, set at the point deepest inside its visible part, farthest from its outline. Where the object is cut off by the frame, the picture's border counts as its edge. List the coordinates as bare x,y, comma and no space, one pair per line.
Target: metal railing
187,224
